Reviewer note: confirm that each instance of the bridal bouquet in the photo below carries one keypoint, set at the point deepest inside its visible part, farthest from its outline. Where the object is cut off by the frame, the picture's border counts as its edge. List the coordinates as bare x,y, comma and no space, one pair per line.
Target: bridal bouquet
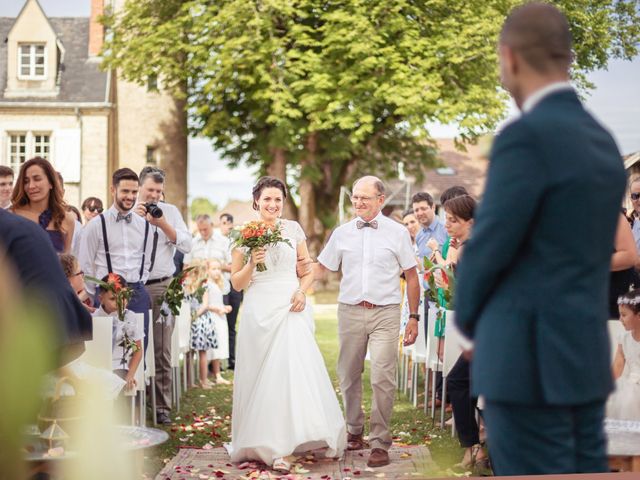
442,297
258,234
123,295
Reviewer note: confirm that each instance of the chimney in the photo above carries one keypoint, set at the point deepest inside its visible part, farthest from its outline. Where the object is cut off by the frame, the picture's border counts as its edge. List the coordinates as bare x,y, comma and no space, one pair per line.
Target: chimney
96,29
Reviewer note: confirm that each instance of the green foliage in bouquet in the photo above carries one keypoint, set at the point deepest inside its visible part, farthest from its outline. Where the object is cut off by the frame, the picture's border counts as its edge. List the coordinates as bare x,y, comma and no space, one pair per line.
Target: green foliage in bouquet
171,299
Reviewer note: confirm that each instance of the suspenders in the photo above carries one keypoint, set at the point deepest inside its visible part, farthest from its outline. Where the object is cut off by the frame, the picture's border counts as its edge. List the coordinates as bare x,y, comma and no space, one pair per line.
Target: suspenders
144,246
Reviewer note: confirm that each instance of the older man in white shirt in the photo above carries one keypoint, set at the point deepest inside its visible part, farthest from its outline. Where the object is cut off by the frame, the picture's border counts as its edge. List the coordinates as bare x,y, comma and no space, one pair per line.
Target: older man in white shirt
169,233
372,251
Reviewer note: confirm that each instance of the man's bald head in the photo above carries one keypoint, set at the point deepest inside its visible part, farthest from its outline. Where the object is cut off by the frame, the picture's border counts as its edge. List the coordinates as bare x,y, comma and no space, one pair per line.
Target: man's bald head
371,180
539,32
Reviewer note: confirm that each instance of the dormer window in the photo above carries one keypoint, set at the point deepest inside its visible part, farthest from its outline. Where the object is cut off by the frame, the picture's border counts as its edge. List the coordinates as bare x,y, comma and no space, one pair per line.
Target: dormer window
32,61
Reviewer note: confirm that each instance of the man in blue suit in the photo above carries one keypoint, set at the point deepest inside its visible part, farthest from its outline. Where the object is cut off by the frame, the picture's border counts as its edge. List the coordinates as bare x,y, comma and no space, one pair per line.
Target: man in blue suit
533,279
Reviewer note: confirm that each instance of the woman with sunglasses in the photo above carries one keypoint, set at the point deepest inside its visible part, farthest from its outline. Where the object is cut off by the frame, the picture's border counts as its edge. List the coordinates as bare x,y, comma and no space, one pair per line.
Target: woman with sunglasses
91,208
37,196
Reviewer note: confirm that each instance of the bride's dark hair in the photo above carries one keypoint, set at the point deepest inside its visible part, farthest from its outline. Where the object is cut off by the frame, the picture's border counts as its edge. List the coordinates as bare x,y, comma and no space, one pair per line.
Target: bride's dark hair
267,182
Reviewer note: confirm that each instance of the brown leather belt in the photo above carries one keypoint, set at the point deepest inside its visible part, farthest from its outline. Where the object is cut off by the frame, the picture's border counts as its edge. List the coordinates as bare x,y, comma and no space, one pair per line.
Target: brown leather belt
367,305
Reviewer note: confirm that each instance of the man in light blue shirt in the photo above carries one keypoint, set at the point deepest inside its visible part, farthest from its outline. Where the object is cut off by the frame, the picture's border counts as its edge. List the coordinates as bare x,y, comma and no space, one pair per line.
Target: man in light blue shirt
431,225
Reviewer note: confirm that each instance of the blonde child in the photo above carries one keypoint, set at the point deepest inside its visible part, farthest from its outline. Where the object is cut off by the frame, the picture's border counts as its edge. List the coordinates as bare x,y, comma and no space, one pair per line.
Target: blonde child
124,364
216,287
624,402
203,336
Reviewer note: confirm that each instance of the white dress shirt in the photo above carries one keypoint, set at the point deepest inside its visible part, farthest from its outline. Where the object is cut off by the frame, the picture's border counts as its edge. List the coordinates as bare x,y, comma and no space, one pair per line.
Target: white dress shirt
166,249
371,260
125,246
537,96
217,246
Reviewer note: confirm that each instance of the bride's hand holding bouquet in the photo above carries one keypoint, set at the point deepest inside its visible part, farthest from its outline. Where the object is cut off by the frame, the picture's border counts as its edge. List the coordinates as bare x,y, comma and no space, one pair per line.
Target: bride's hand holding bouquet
255,236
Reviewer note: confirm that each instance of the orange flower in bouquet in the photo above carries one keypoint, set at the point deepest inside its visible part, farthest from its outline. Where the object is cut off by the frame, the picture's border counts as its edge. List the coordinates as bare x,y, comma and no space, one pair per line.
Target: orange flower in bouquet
256,234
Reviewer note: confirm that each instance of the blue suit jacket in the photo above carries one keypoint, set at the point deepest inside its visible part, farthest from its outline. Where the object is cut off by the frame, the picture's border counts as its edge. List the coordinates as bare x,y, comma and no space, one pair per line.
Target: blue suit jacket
39,272
533,281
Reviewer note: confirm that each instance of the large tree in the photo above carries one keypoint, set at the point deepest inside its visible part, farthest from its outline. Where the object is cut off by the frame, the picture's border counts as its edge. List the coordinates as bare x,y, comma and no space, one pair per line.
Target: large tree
319,91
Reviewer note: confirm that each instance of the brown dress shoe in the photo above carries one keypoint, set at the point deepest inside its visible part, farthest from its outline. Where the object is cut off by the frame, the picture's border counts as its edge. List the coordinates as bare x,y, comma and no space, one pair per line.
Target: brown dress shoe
354,442
378,458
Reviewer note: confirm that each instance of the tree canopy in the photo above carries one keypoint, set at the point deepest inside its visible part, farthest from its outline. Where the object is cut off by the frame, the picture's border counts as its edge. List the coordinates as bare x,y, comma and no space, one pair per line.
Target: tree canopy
321,91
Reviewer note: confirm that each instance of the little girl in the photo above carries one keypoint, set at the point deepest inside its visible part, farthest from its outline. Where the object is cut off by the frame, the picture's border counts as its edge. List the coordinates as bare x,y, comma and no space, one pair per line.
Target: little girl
203,336
216,287
624,402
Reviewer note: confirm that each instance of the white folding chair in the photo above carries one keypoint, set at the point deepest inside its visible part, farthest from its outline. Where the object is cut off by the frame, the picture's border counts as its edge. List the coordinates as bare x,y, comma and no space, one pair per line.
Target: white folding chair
452,350
98,352
433,362
616,329
419,357
183,325
139,391
150,368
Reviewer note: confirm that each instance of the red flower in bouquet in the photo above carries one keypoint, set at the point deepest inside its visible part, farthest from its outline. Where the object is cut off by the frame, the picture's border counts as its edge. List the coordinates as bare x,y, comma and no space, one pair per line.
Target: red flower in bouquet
258,234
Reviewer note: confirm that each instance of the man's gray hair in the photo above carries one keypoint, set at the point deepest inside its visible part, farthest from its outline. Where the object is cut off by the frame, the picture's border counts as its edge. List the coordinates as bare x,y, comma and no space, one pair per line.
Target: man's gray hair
203,217
380,188
157,174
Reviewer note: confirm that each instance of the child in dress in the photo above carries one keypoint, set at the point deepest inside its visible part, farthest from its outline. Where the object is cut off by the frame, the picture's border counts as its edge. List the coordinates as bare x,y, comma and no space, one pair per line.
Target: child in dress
124,363
217,286
624,402
203,336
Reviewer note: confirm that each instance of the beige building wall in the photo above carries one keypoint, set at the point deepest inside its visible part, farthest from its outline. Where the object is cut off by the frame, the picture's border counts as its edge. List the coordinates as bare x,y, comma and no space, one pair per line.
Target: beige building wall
151,125
79,147
95,155
32,27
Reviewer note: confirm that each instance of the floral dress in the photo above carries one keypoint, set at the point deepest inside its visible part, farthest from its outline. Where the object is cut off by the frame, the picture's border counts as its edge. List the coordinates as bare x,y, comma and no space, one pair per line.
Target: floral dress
203,335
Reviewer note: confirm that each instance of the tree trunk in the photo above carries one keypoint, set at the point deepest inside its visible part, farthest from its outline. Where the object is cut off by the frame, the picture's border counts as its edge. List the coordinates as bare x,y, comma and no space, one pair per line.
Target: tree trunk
278,169
307,211
174,158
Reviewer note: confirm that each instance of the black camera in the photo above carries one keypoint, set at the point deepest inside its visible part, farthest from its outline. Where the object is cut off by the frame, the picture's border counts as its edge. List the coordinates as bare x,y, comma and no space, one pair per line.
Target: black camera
153,209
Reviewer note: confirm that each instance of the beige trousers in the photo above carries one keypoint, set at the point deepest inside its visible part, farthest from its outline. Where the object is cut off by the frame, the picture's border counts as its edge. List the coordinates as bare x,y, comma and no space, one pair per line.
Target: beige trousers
162,348
377,328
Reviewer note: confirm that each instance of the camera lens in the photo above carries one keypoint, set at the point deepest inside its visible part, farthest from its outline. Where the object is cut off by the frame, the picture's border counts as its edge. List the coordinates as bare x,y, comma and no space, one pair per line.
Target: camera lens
154,210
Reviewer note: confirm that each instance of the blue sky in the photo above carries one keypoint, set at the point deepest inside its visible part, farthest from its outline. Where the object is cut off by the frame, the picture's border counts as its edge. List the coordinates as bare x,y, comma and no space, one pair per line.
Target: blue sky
615,102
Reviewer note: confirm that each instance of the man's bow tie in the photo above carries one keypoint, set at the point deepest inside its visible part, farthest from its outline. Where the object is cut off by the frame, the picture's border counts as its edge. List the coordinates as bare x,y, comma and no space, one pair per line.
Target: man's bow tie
126,218
373,224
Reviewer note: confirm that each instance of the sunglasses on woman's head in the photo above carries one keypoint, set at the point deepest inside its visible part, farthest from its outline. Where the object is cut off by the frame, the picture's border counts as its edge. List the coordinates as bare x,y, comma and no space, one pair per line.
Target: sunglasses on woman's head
95,209
635,196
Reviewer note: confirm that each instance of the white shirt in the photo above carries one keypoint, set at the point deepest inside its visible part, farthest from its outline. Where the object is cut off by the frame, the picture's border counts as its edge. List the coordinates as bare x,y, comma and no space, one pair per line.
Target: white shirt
130,325
164,266
371,260
217,246
125,246
537,96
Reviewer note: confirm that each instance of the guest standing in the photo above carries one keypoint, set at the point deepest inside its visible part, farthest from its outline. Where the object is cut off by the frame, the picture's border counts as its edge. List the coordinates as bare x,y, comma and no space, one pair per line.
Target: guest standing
170,234
38,196
119,241
532,289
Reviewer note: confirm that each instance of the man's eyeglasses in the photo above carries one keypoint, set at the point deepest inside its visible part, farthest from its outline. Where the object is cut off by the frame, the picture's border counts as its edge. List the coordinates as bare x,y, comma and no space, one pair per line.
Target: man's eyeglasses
635,196
81,273
358,198
95,209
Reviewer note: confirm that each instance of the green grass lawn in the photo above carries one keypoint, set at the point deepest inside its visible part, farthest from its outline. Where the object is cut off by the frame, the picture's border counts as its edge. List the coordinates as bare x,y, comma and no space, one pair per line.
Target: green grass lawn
205,416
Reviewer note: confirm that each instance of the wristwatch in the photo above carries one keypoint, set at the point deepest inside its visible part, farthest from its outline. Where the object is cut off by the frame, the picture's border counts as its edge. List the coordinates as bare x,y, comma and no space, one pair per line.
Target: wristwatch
414,315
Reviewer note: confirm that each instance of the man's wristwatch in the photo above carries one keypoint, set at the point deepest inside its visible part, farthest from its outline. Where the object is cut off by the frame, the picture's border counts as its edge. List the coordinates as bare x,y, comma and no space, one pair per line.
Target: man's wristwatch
414,315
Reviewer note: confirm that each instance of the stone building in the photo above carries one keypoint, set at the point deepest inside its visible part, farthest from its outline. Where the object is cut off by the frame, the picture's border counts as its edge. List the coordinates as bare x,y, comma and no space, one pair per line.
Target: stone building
56,102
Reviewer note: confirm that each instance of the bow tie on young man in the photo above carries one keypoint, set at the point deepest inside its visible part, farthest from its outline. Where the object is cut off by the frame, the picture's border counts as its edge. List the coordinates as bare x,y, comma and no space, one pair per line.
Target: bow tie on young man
126,218
373,224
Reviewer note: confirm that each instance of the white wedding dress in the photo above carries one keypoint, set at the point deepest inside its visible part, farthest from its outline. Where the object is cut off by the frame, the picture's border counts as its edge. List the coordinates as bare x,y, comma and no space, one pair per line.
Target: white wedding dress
283,400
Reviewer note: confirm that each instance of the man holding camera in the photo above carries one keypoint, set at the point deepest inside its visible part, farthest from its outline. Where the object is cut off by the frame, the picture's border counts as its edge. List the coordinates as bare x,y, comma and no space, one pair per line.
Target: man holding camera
169,233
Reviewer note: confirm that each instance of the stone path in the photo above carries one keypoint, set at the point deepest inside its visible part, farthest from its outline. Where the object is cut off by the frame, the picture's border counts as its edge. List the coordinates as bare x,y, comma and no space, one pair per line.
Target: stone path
411,461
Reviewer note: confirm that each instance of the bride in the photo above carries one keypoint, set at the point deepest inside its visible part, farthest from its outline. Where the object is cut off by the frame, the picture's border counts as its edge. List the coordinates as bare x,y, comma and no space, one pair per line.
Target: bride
283,400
